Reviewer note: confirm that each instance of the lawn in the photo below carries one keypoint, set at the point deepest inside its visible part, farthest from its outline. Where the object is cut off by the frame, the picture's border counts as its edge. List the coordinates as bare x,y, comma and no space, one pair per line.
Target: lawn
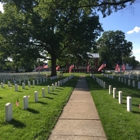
38,120
117,122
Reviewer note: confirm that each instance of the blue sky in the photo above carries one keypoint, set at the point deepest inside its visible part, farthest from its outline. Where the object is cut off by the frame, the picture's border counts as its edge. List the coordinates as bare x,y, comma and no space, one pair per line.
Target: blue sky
126,20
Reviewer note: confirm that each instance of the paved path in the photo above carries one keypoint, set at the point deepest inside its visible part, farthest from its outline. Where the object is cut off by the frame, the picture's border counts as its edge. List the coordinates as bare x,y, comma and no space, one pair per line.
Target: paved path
79,119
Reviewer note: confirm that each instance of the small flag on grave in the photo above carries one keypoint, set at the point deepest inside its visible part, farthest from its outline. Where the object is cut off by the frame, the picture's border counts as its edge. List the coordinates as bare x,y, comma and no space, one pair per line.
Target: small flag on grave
17,103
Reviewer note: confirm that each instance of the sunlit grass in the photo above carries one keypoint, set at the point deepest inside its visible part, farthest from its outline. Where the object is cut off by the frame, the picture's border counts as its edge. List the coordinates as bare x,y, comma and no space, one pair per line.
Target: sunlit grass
38,120
117,122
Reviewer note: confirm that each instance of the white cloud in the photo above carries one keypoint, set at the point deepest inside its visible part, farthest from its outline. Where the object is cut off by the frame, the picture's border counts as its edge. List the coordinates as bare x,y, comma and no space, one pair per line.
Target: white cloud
136,51
1,7
136,29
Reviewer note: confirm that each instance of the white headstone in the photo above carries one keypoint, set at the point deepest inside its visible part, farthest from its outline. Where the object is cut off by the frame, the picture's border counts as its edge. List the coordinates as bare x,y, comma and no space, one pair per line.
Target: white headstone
36,96
9,84
8,112
55,84
128,82
43,92
120,97
25,102
129,104
2,85
28,83
58,83
110,89
33,82
52,87
133,83
138,85
114,92
104,85
48,89
23,86
16,87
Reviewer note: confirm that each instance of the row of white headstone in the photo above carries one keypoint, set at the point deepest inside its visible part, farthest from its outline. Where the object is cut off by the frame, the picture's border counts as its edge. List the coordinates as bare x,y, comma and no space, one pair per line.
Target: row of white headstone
8,106
22,77
129,99
37,81
114,91
99,81
18,79
125,80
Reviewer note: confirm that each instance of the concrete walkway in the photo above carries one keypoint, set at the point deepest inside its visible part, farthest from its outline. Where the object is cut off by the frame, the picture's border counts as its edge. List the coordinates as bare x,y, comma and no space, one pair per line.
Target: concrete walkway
79,119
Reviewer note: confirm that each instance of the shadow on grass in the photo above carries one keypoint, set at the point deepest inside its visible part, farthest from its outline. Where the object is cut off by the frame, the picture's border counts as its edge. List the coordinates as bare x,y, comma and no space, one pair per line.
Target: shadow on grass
51,98
56,90
1,98
136,112
53,93
32,111
42,102
26,89
17,123
60,88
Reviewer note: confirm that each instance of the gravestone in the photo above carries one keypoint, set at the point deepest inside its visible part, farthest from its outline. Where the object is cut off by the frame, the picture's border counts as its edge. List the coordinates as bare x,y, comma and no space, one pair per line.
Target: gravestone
25,102
129,104
36,96
114,92
120,97
43,92
8,112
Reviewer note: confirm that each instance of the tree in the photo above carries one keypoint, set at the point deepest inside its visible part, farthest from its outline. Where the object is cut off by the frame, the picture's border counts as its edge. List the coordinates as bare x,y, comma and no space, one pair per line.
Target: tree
53,29
131,61
113,47
50,22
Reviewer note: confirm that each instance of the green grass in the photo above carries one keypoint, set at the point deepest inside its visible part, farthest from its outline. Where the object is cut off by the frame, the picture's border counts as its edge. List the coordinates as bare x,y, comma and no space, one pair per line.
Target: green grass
37,122
117,122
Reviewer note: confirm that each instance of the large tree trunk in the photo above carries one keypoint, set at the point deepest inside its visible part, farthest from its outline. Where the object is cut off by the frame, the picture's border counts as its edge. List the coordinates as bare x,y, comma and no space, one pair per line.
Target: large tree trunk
53,70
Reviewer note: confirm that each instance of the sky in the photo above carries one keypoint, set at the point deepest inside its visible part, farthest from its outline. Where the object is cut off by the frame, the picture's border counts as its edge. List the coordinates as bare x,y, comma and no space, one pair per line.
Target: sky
126,20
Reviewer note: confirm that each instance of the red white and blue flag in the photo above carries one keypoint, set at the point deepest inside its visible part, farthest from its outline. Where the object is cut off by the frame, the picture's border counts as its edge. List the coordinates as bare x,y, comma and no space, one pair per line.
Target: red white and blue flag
71,67
123,67
117,68
102,66
58,67
44,66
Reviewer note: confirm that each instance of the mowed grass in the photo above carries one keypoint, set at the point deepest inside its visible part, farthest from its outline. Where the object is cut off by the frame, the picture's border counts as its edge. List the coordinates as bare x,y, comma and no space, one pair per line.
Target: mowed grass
37,122
117,122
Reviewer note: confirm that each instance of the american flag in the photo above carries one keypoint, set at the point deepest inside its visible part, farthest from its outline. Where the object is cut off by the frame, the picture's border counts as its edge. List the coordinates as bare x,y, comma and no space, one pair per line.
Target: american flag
71,67
17,102
117,68
88,66
57,68
45,66
123,67
102,66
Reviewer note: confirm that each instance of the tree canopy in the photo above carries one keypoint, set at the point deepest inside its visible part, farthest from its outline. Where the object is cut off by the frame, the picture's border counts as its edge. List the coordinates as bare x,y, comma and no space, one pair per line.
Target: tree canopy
59,27
43,27
113,47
